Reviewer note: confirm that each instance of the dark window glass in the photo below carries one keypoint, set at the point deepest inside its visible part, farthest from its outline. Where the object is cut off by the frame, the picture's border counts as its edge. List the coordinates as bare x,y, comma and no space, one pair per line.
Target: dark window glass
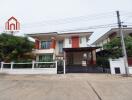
46,58
60,44
45,44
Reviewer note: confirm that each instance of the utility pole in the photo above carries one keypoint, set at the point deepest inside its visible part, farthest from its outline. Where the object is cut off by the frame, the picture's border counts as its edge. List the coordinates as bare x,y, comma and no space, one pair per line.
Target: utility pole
122,42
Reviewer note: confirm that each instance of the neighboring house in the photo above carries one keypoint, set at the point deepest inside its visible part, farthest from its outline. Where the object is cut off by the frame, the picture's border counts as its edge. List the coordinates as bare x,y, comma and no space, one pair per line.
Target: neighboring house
72,47
114,32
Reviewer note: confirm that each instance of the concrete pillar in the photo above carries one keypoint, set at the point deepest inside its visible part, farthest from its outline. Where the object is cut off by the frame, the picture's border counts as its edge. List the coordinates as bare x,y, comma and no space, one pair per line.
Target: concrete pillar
65,57
33,63
2,64
64,67
56,64
12,65
94,56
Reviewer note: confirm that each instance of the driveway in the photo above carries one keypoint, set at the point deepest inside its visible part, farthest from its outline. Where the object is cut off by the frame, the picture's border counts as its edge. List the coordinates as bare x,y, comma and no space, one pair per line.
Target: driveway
65,87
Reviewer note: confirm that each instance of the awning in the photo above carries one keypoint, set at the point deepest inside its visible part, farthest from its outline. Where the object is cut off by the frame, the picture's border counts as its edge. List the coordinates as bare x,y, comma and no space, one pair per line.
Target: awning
80,49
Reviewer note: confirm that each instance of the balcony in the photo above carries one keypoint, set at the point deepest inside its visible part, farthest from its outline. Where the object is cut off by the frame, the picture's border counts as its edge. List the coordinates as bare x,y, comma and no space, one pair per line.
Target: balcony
41,51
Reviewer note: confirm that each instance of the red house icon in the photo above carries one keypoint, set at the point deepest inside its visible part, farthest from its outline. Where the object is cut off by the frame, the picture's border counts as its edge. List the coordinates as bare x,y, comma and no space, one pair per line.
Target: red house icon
12,24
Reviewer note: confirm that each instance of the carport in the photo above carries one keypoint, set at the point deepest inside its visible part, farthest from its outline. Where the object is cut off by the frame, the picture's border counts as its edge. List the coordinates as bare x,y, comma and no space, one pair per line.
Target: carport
80,59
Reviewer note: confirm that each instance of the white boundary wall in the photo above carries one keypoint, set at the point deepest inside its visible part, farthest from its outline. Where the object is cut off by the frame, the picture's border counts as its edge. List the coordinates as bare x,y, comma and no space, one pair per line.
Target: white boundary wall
119,63
130,70
32,70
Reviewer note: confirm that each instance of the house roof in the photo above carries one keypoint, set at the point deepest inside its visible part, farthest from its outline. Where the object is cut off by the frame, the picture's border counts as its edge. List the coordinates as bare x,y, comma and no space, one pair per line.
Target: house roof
34,35
106,35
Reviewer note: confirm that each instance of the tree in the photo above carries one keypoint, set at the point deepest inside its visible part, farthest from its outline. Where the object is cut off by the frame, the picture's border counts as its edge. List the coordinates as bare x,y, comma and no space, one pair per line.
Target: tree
13,48
114,47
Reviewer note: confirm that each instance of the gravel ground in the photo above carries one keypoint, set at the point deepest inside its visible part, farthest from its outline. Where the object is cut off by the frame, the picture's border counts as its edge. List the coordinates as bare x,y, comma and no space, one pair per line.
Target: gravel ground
65,87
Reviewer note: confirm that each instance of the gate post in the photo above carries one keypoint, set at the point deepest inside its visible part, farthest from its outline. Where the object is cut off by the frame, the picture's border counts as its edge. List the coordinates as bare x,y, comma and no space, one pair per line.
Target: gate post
2,63
33,62
56,65
12,65
64,67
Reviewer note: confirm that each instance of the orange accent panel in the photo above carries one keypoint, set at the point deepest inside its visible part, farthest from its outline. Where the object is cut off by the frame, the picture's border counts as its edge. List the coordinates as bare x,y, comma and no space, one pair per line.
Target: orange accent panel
36,44
53,43
75,42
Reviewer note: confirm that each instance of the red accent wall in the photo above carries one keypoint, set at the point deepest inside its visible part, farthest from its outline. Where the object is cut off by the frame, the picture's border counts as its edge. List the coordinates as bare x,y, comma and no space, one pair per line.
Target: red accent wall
75,42
53,43
37,42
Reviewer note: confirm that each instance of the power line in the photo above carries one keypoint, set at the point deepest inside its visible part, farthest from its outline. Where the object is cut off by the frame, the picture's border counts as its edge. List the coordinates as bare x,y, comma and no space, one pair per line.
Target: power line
128,18
90,27
76,19
73,19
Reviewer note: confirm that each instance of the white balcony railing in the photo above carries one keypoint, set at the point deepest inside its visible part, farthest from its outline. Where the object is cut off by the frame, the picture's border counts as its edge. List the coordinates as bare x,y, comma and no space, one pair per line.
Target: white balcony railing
40,51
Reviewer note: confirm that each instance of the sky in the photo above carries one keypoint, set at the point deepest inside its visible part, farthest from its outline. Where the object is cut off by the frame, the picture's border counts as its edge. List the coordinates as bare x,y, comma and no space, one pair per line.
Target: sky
41,16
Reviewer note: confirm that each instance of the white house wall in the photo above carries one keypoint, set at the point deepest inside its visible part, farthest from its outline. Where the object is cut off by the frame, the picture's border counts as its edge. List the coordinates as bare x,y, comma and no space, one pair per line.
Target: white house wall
83,43
66,43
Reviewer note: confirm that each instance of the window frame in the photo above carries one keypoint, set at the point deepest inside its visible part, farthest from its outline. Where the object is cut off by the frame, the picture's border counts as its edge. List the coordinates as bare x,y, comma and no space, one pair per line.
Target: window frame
46,57
46,45
70,41
80,39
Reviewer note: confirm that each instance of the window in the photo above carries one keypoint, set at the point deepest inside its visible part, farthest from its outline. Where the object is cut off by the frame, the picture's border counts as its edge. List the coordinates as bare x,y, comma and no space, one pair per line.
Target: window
87,39
70,40
46,58
60,44
45,44
80,40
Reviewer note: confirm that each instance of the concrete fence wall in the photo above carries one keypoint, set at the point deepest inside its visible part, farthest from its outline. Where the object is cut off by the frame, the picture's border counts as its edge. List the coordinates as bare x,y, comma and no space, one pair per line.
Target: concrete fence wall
119,64
31,70
34,68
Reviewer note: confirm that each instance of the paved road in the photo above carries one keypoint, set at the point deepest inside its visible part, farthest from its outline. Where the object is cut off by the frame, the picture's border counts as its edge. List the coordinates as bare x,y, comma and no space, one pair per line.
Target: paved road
65,87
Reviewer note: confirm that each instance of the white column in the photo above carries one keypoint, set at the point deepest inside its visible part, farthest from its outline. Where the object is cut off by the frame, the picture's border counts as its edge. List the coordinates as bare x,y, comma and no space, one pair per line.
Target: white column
12,65
64,67
2,63
56,64
65,57
33,62
94,56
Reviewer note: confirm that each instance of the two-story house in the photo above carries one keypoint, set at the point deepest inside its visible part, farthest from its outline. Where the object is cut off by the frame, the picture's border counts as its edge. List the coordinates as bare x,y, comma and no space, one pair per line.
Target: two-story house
72,47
